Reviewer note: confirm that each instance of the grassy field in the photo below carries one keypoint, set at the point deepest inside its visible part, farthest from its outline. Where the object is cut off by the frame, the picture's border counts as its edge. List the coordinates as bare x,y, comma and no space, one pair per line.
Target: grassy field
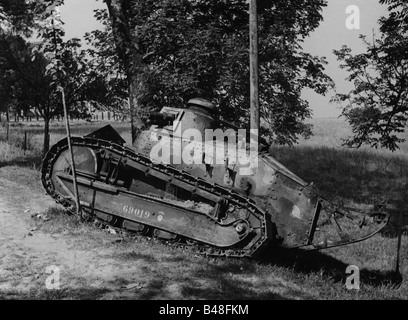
343,175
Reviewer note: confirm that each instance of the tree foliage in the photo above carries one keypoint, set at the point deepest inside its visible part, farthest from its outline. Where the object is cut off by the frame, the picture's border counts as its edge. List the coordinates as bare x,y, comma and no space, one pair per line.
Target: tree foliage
170,51
378,105
17,15
181,49
14,20
106,63
34,73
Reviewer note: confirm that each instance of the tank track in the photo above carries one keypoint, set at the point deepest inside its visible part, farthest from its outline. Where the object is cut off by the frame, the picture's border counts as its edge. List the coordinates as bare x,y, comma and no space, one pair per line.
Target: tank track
233,199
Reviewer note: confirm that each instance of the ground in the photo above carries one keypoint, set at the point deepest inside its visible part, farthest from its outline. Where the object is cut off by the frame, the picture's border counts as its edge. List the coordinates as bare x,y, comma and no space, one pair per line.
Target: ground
94,263
39,241
27,250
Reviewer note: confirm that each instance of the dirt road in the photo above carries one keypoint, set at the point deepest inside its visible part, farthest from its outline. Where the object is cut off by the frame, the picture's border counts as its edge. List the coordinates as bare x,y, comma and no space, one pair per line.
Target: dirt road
36,263
62,259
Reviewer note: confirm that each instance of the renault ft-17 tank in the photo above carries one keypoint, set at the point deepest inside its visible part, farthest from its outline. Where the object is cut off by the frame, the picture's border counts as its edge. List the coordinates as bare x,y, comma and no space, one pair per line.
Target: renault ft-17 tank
191,180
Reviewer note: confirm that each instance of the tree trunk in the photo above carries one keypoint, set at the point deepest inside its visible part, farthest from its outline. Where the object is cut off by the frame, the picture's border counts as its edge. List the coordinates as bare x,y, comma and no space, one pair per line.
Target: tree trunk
136,111
46,135
254,64
130,52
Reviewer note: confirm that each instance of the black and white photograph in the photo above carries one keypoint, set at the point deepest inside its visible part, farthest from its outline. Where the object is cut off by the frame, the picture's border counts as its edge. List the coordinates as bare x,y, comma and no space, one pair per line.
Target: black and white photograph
202,157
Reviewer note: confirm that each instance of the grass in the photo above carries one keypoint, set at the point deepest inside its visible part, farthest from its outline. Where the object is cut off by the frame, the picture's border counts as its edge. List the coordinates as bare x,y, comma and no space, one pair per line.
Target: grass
171,273
331,132
343,175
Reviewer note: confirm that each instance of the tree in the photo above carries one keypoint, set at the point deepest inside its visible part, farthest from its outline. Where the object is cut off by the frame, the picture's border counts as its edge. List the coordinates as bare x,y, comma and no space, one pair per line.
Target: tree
377,107
15,19
25,82
38,70
175,50
107,65
69,67
15,74
6,83
131,54
29,84
16,15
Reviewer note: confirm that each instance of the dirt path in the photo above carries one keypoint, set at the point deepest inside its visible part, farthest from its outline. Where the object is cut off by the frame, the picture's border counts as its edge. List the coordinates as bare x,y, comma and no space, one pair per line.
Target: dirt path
31,258
80,261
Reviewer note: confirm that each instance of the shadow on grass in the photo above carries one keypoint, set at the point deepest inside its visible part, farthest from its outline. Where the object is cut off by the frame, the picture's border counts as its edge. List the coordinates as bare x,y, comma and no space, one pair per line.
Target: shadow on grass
232,288
225,289
327,266
212,280
129,256
153,289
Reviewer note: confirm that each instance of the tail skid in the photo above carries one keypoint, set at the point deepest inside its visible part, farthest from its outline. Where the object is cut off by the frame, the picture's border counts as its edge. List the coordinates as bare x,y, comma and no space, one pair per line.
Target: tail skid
339,226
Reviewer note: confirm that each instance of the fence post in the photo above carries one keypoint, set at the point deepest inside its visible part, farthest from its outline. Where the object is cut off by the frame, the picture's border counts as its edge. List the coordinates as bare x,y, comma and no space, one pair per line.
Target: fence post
25,142
400,223
76,193
8,131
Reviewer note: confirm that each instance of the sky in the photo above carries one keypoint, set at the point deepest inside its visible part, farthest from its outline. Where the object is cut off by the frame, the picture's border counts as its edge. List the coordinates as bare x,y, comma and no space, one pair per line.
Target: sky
331,34
78,17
